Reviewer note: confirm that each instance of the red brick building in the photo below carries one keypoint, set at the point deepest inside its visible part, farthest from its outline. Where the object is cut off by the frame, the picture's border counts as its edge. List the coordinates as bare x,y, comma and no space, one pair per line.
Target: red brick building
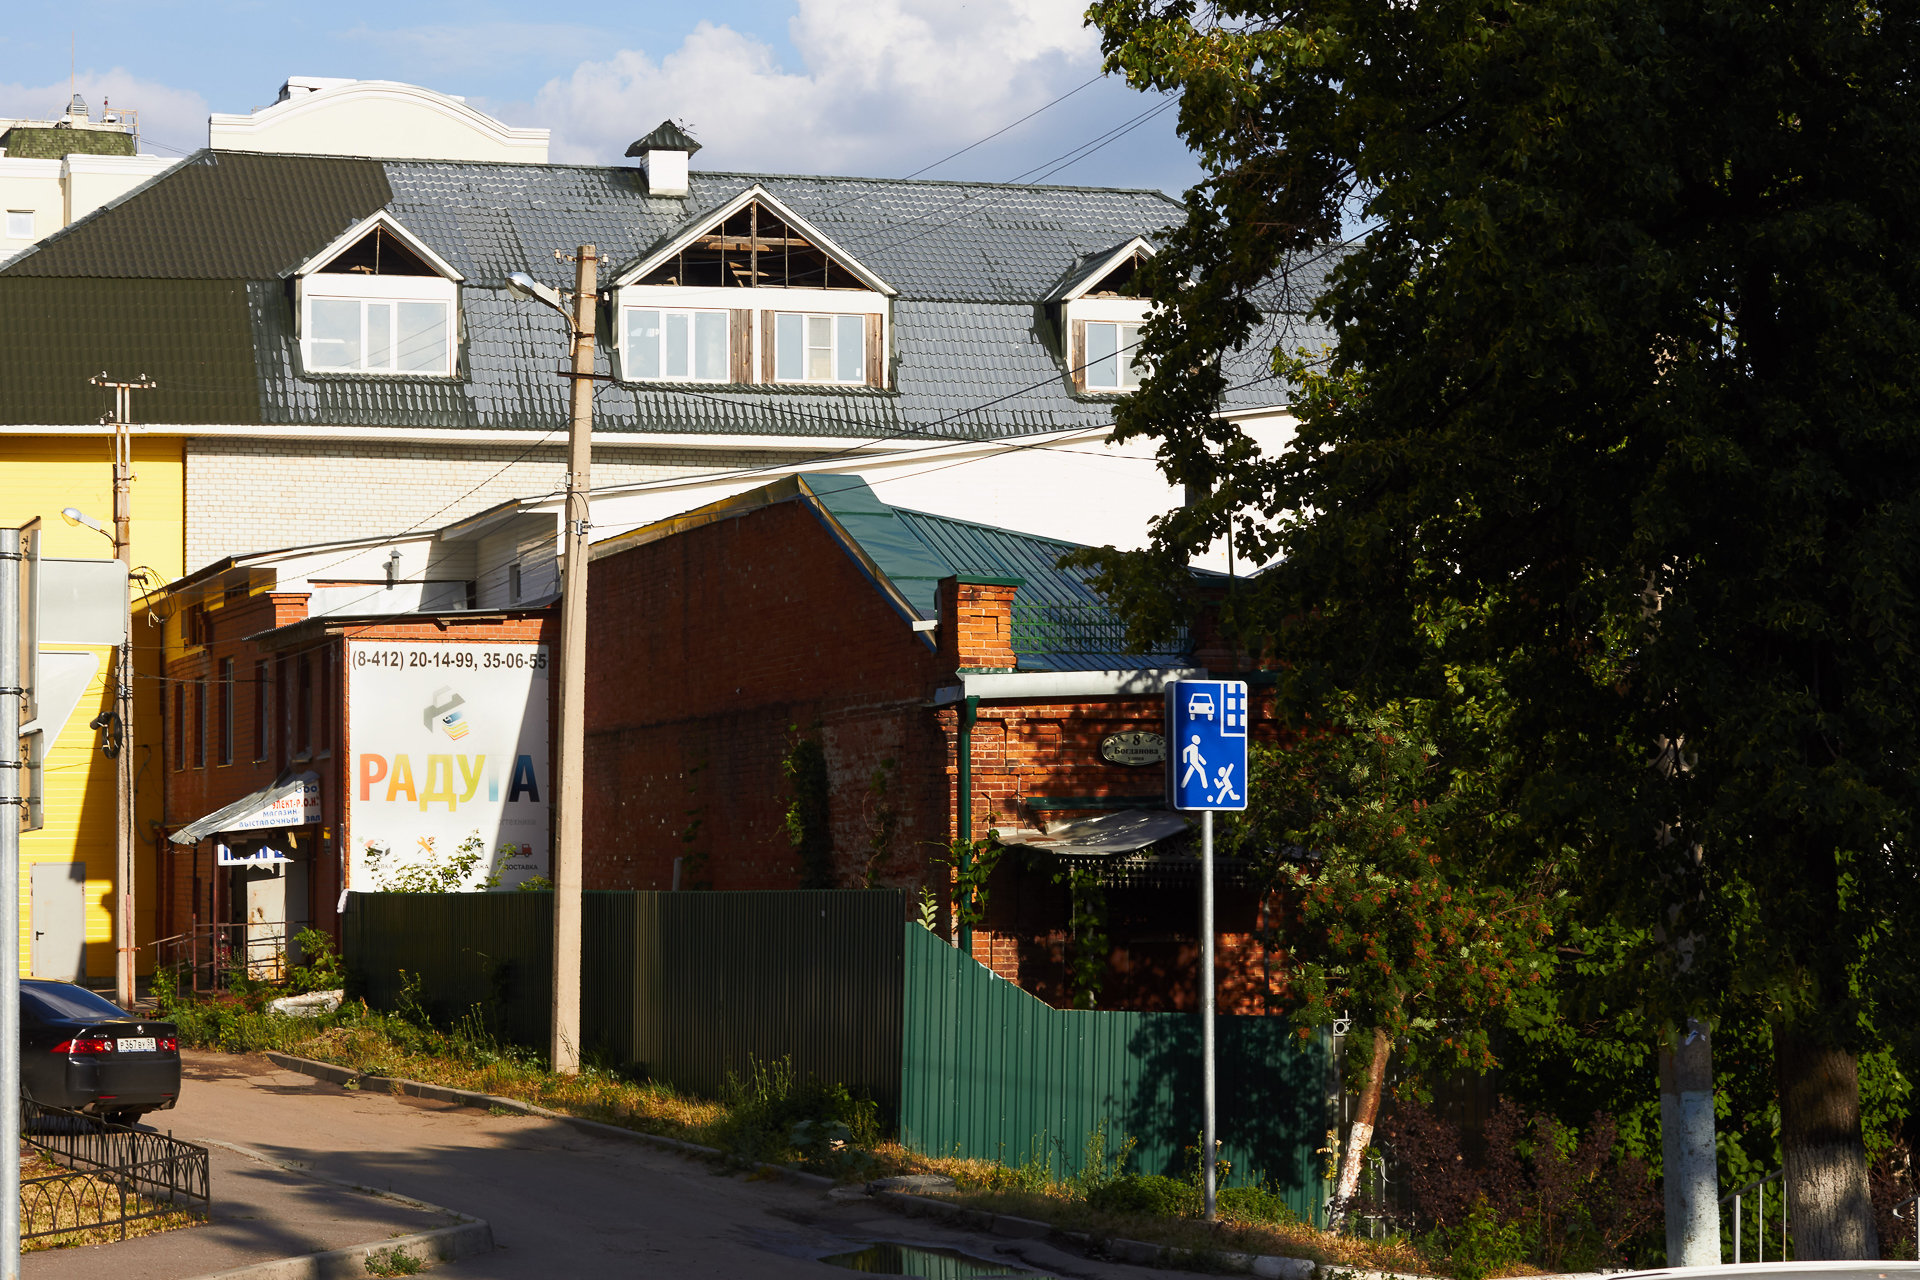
903,652
263,699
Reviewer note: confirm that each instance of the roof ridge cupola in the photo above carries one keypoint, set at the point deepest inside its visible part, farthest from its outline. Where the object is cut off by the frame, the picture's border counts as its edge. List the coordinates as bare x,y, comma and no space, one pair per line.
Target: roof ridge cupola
663,155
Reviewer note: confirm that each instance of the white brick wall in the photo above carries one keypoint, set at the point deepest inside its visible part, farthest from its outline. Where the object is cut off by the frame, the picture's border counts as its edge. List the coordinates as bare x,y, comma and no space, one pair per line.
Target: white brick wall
261,495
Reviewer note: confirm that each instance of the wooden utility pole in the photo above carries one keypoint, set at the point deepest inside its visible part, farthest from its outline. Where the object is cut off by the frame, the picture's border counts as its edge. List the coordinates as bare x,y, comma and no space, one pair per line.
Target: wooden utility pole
569,789
123,981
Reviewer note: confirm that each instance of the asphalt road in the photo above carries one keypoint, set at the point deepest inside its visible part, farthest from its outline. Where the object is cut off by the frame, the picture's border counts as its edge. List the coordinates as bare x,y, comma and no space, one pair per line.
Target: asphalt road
562,1202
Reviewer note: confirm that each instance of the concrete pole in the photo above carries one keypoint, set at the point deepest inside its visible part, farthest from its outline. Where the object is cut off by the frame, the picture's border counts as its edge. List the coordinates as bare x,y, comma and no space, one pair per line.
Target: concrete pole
10,822
1692,1180
569,789
1207,1144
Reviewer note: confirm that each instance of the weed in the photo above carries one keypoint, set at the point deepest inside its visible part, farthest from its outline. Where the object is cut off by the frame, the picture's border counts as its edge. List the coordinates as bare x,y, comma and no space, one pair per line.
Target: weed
322,970
393,1262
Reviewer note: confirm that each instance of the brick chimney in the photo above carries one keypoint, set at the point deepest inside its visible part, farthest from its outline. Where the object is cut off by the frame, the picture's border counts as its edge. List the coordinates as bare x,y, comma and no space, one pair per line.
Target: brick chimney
976,623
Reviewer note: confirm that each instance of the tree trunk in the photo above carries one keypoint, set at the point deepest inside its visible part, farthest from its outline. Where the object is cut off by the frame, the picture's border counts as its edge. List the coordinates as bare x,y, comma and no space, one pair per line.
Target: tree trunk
1360,1136
1830,1210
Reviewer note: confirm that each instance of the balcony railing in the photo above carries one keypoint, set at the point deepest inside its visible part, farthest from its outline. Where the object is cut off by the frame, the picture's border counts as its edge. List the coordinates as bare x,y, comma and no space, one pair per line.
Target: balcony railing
1079,629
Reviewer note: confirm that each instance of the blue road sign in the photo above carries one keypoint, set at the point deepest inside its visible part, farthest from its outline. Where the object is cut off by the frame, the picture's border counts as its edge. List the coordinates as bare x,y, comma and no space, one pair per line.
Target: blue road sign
1207,744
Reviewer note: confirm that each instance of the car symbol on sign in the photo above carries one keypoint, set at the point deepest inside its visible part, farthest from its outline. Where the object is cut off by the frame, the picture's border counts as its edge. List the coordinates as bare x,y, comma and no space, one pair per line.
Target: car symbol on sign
1200,706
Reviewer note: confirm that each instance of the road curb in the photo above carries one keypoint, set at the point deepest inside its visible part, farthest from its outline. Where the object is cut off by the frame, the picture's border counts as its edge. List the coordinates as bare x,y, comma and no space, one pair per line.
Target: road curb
463,1240
466,1237
346,1077
1138,1252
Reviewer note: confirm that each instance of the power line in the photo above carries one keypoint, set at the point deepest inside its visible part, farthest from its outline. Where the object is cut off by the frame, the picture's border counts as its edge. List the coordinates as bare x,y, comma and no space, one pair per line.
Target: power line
996,133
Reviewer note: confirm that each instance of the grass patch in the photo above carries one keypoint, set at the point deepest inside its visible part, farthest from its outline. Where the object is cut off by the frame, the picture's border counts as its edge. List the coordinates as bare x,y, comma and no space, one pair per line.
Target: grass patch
82,1198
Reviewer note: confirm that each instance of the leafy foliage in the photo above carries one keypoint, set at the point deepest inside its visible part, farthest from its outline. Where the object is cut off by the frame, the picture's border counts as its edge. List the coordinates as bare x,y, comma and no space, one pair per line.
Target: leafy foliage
431,872
1622,402
1362,825
321,969
808,821
1541,1193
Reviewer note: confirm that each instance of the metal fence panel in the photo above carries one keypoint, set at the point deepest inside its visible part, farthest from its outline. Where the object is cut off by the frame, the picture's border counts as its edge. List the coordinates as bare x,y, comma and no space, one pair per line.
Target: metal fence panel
690,987
990,1071
724,979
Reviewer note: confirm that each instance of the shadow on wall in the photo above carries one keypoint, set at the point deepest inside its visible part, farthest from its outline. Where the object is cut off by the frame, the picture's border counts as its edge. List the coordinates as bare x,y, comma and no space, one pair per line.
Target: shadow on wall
1271,1093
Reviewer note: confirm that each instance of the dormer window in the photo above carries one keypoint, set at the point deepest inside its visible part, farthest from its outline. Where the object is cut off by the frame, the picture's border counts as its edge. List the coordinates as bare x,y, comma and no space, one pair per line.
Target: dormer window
676,346
1108,355
753,294
377,301
1101,314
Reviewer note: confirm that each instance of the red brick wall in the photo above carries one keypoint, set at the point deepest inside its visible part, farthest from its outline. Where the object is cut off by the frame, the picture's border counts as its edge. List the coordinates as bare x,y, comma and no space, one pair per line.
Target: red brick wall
193,791
705,647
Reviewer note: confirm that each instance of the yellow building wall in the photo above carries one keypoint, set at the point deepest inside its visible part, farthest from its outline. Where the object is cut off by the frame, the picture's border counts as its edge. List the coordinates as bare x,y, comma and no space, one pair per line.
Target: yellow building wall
39,476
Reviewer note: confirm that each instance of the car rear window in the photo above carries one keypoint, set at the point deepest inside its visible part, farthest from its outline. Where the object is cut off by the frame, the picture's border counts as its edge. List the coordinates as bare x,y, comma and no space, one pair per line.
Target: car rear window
68,1002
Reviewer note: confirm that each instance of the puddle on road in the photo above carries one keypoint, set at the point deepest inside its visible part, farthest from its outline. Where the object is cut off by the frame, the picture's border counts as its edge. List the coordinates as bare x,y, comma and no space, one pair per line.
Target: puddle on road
928,1264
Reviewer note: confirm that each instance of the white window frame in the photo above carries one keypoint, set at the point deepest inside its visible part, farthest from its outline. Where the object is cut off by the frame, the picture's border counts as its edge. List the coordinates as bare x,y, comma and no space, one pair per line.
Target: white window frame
1112,311
628,348
759,338
391,290
834,330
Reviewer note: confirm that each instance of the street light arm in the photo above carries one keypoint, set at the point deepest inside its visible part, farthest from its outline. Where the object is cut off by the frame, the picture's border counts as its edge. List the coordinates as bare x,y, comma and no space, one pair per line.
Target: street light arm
524,288
76,517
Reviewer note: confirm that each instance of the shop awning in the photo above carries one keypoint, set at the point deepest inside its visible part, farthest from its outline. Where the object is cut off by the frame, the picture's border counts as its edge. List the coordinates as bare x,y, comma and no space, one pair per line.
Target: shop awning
290,802
1122,832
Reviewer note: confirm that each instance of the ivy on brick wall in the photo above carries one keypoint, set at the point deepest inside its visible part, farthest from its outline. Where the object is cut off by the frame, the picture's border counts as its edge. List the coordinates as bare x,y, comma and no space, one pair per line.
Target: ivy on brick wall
809,823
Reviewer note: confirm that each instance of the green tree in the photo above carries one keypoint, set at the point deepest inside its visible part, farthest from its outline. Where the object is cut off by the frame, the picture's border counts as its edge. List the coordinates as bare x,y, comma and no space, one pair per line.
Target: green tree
1364,828
1625,379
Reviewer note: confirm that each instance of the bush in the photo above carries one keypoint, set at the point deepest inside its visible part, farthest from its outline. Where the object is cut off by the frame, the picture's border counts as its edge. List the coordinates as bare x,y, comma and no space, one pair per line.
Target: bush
1254,1204
776,1117
1146,1194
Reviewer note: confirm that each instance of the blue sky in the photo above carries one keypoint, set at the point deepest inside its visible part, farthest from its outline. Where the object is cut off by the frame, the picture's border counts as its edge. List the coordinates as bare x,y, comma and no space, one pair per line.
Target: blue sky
880,87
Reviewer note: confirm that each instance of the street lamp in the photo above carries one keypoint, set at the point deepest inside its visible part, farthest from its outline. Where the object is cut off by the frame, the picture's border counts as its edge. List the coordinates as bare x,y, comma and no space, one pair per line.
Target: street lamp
123,984
569,798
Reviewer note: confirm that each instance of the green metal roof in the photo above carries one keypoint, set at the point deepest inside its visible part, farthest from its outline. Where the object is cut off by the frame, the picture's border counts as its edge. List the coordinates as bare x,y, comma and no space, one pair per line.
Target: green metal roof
668,137
916,549
218,215
194,337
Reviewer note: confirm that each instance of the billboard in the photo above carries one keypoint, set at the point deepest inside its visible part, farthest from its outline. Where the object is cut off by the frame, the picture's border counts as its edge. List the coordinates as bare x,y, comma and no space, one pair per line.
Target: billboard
448,758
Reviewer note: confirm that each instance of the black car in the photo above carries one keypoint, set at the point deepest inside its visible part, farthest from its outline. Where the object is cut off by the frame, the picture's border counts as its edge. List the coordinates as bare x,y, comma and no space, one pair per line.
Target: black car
80,1050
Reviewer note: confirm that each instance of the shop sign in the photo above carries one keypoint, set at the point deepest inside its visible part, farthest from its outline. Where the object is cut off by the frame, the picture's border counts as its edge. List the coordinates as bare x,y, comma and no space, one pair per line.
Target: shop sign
295,809
261,857
449,757
1134,747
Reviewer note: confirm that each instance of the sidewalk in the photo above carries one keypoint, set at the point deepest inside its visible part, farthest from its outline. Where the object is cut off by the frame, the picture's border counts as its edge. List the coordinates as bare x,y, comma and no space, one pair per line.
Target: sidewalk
260,1212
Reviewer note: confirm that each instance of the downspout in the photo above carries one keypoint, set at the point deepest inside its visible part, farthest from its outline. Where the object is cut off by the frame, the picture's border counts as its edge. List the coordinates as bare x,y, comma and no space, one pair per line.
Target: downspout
969,711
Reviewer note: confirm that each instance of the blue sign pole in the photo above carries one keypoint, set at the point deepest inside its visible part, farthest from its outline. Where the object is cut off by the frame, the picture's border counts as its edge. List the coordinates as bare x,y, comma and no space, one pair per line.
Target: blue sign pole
1207,771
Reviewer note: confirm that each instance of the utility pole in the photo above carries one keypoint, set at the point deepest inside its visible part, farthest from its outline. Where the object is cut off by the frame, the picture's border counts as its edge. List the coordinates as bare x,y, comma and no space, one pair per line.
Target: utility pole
11,793
569,791
123,981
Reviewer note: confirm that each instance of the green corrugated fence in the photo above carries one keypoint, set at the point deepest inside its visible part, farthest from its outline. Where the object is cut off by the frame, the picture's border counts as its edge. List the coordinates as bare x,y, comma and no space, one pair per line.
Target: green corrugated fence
690,987
990,1071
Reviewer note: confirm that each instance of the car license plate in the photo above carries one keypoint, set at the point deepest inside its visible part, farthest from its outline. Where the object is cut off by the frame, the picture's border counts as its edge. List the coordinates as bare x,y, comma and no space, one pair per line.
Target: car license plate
135,1044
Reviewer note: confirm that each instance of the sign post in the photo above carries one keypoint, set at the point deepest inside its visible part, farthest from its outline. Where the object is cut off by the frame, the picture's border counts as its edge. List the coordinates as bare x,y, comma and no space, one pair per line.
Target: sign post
1207,771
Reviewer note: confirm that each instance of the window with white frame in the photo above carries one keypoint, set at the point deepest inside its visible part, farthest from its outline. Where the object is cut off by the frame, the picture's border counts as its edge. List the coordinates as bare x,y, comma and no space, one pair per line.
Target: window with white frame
378,325
683,346
817,348
1110,361
19,224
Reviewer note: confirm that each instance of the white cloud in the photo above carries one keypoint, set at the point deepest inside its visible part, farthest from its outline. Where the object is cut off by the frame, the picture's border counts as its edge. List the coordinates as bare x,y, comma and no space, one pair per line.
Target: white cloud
887,84
176,118
470,46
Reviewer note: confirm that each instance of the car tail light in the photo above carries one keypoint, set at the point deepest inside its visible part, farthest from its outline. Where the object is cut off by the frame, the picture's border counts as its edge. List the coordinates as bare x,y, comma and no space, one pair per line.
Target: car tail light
84,1046
169,1044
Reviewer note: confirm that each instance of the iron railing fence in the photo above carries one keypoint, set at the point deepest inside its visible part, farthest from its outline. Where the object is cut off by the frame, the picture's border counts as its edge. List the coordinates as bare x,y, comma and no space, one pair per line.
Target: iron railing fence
1080,629
208,956
1734,1198
113,1174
